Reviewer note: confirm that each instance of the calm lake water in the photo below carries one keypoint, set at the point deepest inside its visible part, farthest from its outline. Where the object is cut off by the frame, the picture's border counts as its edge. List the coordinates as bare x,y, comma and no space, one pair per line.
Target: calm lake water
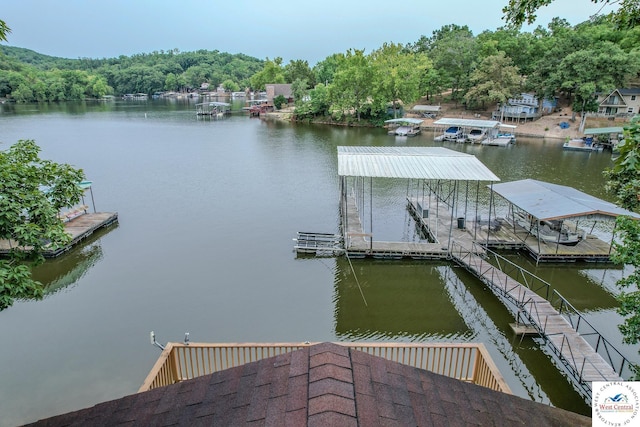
207,212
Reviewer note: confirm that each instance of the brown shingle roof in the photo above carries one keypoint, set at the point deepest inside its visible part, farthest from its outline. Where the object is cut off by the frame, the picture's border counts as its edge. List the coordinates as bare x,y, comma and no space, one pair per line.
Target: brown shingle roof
321,385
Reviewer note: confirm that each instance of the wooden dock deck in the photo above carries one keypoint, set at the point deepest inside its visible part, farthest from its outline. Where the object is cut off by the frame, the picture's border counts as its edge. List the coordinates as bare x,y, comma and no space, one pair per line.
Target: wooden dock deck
78,228
512,236
438,226
359,244
581,360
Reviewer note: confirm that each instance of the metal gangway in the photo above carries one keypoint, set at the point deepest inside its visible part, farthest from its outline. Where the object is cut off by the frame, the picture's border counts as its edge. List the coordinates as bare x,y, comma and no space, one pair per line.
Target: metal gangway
319,244
586,355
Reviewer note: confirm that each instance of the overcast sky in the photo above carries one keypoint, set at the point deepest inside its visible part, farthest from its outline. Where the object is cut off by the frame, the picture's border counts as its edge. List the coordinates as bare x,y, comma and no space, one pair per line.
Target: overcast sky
263,29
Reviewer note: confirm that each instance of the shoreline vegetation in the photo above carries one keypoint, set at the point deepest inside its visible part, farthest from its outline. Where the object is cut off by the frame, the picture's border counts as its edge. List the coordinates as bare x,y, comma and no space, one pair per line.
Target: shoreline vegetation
546,127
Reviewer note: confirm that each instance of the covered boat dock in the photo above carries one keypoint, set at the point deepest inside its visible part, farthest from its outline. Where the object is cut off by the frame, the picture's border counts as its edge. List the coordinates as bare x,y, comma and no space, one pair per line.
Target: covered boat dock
614,135
442,190
405,126
213,109
426,111
488,129
553,222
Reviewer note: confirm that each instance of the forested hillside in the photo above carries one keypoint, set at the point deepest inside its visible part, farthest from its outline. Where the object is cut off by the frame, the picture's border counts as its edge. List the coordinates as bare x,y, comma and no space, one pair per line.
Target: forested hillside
27,76
477,71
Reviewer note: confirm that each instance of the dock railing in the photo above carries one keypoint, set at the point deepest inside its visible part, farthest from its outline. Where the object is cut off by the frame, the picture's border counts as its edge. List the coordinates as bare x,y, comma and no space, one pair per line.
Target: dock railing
582,367
623,367
468,362
500,272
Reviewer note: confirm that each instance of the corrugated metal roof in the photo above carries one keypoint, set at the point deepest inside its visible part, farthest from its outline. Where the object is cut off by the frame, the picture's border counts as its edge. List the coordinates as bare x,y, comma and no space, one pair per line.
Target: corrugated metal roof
405,120
412,163
470,123
547,201
430,108
599,131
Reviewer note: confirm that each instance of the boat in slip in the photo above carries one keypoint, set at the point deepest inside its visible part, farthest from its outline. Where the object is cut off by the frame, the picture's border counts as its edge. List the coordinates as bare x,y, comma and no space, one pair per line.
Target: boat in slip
476,135
582,144
452,133
550,231
405,126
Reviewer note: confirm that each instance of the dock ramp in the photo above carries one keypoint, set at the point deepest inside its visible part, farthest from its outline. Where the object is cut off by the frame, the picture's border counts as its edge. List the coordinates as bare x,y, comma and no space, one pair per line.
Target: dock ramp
319,244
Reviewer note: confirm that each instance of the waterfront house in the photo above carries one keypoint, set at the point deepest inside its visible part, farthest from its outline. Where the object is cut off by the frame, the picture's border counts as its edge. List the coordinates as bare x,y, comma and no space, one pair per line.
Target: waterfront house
525,107
274,90
619,102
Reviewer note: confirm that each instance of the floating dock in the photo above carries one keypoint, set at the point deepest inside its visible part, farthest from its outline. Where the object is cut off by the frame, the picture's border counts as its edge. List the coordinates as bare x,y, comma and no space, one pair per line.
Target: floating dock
79,228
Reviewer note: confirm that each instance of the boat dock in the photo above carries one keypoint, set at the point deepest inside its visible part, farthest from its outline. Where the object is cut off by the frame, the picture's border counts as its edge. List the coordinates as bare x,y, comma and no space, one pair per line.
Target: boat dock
79,228
445,194
567,338
560,328
507,234
359,244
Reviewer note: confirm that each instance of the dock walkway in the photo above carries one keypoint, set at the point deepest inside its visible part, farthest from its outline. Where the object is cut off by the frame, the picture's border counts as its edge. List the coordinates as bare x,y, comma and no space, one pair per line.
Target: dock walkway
581,360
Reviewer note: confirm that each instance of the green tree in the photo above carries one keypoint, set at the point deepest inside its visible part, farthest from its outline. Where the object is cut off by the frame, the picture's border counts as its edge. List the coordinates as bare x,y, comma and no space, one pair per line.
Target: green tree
352,83
454,51
230,86
299,90
4,30
495,80
317,105
325,69
299,70
279,101
623,180
518,12
32,192
271,73
397,75
602,67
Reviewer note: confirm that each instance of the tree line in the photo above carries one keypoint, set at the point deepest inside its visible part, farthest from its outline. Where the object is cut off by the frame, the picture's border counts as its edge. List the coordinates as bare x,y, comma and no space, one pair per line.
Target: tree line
479,71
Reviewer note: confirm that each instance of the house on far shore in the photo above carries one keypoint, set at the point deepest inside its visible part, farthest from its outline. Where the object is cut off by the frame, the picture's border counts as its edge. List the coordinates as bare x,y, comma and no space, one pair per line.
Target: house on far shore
525,107
619,102
274,90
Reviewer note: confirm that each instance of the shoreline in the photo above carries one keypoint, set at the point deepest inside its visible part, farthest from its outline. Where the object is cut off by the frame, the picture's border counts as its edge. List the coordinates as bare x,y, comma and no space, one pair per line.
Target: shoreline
547,127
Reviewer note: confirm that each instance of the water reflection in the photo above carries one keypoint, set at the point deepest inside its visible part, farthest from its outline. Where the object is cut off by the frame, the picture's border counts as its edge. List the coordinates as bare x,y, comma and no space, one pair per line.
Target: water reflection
388,300
528,370
586,285
64,272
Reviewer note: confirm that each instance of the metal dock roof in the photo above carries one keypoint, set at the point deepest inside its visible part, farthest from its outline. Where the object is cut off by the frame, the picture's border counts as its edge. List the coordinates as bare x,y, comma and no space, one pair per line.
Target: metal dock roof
600,131
470,123
405,120
427,108
547,201
412,163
